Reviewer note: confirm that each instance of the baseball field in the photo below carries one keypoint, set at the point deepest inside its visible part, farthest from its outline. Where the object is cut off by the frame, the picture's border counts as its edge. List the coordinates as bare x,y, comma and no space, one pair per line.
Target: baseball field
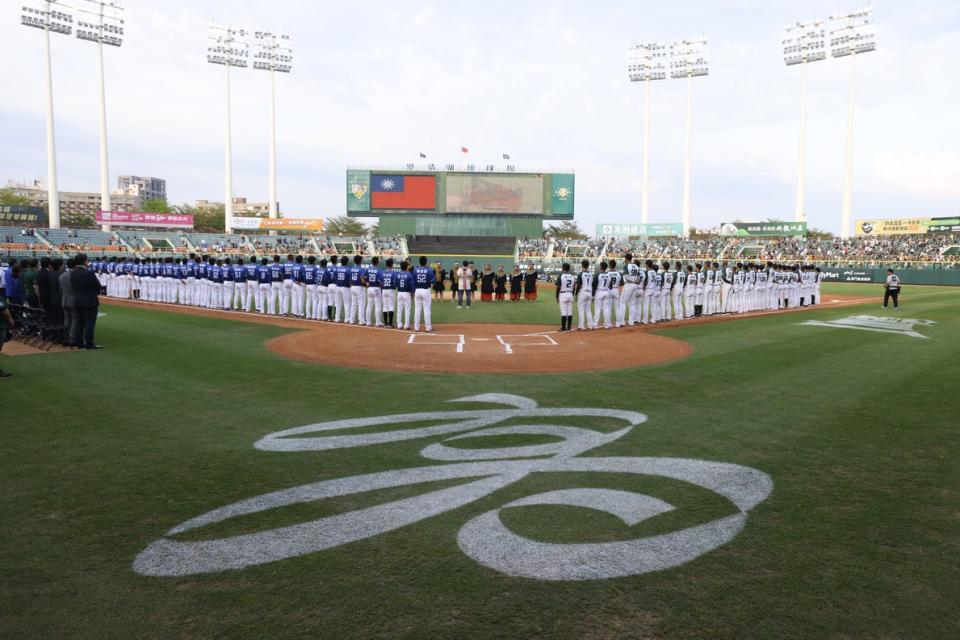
792,475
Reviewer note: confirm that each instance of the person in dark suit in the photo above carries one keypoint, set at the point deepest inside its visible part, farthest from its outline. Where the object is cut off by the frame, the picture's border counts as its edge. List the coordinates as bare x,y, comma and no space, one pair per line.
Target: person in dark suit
66,302
86,301
54,296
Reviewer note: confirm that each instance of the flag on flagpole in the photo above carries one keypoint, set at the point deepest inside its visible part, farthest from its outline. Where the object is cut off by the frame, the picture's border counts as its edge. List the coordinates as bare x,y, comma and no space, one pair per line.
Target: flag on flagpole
464,150
423,155
506,156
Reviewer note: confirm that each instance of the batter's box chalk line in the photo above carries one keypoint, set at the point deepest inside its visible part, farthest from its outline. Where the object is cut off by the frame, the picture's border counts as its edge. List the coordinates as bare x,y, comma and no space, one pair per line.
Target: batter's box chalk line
545,340
438,339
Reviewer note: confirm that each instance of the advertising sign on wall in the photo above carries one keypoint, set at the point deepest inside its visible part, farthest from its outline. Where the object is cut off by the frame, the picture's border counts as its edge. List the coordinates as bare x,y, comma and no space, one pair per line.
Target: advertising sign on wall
768,229
277,224
614,230
137,219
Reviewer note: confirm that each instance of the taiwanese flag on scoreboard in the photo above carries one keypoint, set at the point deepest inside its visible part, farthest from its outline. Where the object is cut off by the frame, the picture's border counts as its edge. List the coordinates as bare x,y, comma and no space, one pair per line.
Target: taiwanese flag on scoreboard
402,192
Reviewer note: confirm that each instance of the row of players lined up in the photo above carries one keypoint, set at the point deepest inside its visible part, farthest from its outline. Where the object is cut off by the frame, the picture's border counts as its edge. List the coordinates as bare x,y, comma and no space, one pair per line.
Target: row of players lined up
339,291
648,293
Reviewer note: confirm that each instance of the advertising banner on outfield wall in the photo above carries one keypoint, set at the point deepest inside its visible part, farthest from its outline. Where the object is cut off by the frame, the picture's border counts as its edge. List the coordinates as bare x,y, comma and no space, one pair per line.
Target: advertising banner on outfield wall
849,274
137,219
277,224
944,225
615,230
14,214
769,229
905,226
358,190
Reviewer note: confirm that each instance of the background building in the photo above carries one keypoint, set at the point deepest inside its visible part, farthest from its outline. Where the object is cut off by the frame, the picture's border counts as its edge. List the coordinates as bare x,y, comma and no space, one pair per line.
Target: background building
73,203
147,188
240,207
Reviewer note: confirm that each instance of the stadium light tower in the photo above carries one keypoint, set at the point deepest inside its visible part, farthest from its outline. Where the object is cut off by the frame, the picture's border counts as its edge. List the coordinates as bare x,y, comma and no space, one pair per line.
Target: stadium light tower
227,46
49,15
803,42
688,59
106,27
646,63
851,34
273,54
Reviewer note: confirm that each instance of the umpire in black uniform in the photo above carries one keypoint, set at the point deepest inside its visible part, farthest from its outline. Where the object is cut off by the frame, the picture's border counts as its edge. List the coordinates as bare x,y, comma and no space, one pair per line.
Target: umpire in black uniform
86,302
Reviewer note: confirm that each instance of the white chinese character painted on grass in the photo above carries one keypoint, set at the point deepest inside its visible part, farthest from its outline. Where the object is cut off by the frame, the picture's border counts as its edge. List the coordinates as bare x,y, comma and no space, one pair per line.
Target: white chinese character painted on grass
902,326
484,538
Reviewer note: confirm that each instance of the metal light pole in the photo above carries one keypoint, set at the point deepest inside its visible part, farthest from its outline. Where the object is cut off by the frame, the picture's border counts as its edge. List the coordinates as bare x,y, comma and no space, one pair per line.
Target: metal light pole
688,59
646,63
228,46
273,54
108,29
49,15
850,35
803,43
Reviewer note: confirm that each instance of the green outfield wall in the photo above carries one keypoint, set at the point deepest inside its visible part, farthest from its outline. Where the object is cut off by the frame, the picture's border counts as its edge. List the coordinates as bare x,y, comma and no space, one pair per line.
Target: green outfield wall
907,276
465,225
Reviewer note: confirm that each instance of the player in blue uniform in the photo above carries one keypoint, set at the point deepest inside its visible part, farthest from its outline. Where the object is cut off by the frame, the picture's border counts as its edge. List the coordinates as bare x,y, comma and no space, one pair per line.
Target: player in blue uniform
264,287
309,276
423,279
389,287
276,286
404,295
342,283
287,285
358,293
374,292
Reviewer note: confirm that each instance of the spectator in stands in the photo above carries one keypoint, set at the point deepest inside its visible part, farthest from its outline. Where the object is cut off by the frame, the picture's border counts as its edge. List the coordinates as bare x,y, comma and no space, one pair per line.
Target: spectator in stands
86,302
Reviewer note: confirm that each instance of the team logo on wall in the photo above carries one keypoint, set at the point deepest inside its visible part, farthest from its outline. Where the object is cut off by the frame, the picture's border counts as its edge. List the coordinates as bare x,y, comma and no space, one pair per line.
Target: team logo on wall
358,190
563,193
902,326
867,227
484,538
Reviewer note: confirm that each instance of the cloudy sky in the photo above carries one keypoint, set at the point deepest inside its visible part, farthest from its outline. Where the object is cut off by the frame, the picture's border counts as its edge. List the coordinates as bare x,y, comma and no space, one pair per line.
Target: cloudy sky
375,83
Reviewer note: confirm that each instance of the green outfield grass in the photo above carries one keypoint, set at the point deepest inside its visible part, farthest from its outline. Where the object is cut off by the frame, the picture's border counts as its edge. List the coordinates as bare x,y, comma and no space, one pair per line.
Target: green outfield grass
103,452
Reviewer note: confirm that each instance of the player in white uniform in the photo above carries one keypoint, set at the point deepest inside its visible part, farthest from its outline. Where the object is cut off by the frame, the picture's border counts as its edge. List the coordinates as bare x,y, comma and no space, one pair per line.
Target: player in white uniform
678,291
651,299
601,298
669,277
566,284
628,302
616,279
817,279
709,308
584,294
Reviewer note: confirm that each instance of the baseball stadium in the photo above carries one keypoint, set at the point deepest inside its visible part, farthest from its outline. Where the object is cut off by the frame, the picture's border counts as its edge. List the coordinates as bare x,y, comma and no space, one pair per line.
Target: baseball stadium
441,409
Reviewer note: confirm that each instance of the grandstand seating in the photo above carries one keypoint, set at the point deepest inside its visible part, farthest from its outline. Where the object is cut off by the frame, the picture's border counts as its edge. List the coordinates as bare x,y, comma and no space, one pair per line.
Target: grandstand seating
13,235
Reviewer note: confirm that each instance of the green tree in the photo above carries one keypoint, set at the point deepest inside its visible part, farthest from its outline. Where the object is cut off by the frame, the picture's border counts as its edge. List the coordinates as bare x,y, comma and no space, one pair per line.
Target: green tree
344,226
11,197
208,220
566,230
156,205
819,234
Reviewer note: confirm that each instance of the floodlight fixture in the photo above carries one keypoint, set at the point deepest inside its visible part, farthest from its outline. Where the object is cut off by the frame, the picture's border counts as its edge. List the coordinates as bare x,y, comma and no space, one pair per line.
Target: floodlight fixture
688,58
227,46
852,33
49,16
104,23
647,61
804,42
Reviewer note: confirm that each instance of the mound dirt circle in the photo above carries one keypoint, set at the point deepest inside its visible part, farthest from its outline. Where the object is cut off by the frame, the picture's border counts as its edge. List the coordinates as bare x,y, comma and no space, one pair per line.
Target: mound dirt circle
479,348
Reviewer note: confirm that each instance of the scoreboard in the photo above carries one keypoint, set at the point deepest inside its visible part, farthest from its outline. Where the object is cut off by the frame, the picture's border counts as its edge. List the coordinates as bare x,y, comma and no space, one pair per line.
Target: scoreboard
372,192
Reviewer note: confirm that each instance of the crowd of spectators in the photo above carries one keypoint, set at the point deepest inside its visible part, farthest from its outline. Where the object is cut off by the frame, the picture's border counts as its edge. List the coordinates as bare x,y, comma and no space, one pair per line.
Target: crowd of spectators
532,247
